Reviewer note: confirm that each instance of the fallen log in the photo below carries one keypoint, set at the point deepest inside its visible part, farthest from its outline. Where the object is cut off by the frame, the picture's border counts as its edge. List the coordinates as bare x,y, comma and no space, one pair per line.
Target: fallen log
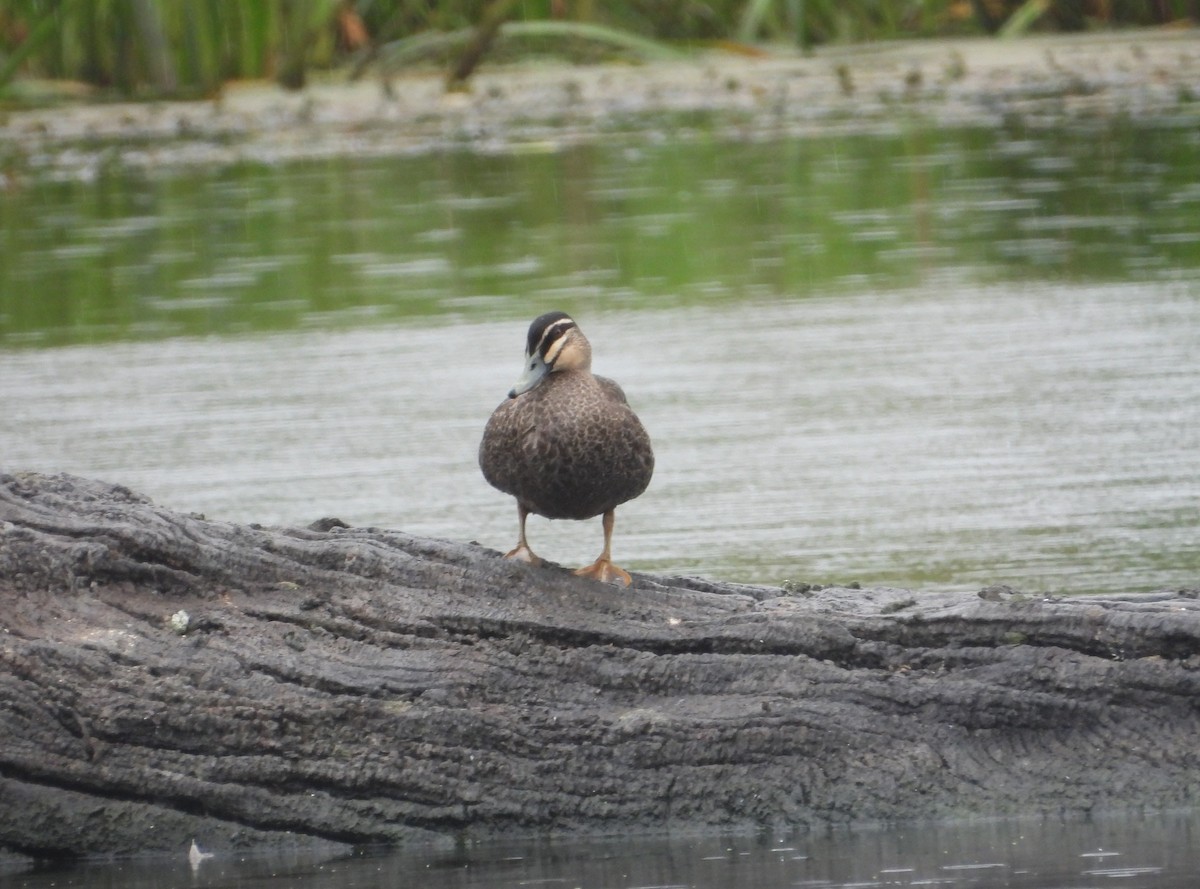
163,676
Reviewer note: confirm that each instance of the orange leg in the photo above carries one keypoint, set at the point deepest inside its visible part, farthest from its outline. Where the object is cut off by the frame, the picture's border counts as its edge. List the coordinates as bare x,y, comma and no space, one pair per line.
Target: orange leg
522,552
603,569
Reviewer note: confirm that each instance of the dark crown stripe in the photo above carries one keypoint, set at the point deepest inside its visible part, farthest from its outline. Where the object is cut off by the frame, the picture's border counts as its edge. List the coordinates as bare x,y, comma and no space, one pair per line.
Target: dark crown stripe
553,334
545,330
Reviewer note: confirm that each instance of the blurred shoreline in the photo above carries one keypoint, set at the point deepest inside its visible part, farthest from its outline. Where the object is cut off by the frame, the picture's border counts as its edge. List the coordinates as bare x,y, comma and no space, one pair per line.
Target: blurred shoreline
544,107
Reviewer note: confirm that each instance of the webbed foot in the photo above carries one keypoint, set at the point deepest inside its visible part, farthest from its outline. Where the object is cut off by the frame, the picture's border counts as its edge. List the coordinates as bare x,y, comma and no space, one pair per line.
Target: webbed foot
605,571
523,553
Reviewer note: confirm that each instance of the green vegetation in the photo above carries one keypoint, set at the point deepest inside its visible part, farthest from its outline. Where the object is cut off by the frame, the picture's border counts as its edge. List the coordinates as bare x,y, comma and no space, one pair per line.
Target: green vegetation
177,48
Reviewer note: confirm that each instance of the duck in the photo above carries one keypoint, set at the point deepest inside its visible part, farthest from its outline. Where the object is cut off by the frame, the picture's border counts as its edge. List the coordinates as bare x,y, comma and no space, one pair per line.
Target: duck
565,442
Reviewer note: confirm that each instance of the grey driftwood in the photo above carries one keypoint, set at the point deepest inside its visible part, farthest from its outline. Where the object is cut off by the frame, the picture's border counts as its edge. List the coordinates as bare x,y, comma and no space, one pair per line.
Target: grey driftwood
163,676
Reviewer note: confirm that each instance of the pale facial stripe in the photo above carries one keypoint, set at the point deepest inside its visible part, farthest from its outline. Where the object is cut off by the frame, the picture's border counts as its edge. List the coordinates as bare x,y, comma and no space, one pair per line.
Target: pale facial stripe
554,339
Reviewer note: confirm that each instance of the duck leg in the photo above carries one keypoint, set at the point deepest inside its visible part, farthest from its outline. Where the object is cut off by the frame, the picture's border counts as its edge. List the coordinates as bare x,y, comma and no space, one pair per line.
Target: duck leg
522,552
603,569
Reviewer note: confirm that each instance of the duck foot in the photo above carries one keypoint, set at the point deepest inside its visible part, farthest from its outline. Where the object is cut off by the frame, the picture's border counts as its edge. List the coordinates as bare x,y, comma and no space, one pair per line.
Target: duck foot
523,553
605,571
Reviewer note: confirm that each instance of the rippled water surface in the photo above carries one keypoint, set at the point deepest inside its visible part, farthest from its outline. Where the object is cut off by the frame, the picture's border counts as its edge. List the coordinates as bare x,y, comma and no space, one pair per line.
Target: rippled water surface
1151,852
931,359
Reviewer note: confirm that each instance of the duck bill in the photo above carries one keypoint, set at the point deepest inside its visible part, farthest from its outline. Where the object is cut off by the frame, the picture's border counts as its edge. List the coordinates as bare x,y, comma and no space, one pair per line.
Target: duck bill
535,370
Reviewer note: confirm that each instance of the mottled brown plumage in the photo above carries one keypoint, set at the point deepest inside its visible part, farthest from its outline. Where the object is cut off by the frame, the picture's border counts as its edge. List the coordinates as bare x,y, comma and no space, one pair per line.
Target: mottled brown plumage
565,443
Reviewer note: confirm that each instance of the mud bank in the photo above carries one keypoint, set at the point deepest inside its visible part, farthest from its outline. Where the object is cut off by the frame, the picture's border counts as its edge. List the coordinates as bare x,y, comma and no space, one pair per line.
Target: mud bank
551,106
163,676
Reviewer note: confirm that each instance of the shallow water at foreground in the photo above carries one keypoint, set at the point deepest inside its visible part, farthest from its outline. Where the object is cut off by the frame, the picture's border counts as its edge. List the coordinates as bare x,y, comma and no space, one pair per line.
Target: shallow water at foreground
1138,852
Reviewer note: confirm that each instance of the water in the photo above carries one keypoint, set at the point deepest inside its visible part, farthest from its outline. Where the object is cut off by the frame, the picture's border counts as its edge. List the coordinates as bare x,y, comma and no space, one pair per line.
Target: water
933,359
1150,852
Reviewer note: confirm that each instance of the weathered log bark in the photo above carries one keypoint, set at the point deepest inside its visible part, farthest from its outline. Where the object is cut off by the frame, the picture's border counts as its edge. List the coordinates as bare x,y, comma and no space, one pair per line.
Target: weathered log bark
360,685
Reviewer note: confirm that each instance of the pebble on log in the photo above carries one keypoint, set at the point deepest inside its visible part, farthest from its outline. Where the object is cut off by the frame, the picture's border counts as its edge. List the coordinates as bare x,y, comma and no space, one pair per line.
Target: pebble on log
164,677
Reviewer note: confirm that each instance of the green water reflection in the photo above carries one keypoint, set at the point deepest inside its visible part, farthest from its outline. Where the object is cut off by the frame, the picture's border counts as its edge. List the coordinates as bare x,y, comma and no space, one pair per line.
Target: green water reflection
630,222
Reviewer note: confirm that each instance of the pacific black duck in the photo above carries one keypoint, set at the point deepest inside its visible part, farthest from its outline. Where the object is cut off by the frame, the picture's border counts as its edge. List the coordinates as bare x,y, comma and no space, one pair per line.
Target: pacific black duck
565,443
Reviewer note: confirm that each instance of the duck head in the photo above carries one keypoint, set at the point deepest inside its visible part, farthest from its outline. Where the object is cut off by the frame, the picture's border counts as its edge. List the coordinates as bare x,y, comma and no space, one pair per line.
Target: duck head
555,344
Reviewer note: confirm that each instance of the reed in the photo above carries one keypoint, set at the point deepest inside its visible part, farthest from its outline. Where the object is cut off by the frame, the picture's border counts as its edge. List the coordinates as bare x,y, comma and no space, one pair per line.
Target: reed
192,47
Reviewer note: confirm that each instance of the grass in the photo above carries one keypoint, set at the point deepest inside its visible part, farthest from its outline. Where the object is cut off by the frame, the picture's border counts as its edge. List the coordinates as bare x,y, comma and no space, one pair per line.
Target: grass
155,48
